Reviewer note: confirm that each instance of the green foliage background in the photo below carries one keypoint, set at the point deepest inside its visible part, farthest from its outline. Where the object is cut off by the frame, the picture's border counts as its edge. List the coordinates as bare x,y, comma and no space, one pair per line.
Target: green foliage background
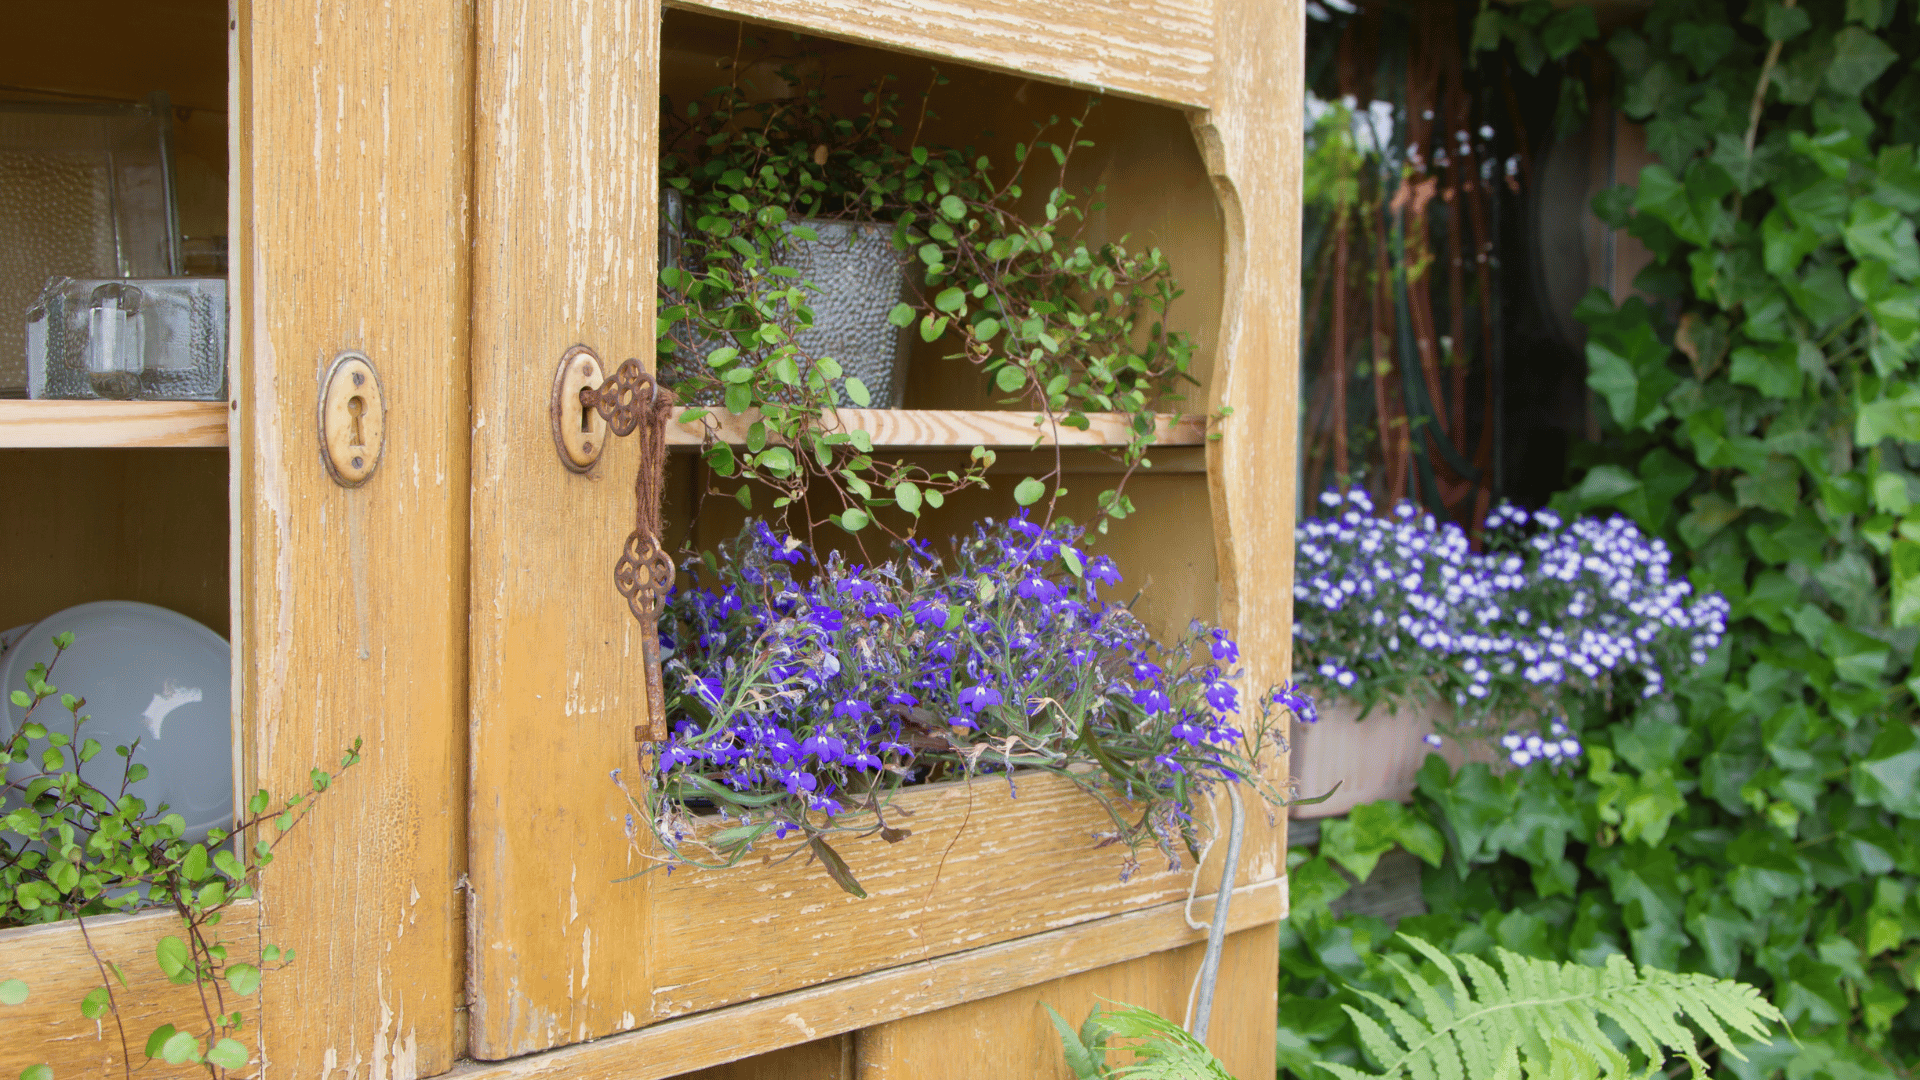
1762,415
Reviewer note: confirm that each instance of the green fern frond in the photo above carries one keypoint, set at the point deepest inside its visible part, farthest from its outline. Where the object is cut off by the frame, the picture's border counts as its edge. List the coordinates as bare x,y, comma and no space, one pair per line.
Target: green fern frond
1541,1020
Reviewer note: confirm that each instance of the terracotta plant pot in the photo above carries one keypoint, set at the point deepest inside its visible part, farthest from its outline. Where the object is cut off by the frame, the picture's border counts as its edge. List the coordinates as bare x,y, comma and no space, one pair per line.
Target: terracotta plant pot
1372,759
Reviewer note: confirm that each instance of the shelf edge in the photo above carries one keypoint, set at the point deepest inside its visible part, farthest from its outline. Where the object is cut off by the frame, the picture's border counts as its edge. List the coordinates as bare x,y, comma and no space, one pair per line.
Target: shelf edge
953,428
81,424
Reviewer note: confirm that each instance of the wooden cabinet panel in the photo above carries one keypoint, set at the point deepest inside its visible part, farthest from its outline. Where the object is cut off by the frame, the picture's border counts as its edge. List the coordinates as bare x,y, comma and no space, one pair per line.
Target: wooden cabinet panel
1011,1035
350,125
981,867
1157,49
57,963
565,179
1252,139
759,1027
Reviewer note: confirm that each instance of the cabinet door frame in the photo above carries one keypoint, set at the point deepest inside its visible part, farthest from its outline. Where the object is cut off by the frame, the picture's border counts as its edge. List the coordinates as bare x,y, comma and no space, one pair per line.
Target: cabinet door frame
349,140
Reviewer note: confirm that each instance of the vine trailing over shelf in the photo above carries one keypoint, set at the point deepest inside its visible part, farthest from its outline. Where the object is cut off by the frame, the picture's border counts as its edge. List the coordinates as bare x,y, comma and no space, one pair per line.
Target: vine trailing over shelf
73,848
1065,326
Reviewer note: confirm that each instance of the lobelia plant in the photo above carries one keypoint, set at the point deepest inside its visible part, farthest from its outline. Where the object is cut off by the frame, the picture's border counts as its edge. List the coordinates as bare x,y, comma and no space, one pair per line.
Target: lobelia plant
805,692
74,848
1400,610
1064,326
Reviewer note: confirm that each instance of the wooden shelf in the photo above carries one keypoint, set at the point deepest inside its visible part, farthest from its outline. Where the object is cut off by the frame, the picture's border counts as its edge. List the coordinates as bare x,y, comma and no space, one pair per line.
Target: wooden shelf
25,424
955,429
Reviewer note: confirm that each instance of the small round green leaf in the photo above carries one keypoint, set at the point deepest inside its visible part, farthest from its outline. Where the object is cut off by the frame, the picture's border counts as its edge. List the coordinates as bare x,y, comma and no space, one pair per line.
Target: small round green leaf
180,1048
854,519
901,316
228,1054
857,391
42,1071
96,1003
244,978
171,954
13,992
907,494
1029,491
159,1039
953,208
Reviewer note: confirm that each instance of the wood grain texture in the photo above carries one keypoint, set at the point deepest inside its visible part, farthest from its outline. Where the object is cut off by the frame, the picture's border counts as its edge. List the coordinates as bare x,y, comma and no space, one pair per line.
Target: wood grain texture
1012,1035
146,525
980,867
566,123
1251,138
112,423
59,969
773,1023
827,1059
963,428
1162,50
350,127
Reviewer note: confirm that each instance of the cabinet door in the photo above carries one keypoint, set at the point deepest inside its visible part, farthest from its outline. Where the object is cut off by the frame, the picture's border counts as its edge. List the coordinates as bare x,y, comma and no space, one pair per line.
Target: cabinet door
564,195
350,123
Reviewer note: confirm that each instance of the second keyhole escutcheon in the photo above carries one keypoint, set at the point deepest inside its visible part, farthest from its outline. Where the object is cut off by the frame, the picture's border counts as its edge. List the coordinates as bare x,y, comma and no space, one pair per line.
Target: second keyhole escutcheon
353,419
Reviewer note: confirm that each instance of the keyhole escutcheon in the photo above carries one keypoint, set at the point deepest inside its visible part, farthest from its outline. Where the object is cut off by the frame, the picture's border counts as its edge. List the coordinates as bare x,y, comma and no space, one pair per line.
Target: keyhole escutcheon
352,419
579,431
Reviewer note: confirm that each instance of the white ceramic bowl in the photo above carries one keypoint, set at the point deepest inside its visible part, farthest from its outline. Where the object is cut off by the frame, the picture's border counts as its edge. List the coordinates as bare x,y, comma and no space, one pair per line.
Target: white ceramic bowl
149,674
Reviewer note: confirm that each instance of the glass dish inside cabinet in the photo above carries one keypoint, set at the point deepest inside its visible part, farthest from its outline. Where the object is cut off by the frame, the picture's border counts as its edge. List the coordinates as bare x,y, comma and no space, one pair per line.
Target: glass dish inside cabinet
87,192
148,338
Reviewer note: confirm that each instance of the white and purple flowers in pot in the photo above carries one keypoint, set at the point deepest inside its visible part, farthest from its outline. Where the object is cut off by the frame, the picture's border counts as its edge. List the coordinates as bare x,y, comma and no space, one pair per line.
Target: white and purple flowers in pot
1400,610
805,692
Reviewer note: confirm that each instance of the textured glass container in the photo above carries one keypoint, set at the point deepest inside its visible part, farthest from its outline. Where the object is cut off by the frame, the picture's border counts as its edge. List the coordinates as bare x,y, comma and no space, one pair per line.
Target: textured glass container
86,191
858,278
151,338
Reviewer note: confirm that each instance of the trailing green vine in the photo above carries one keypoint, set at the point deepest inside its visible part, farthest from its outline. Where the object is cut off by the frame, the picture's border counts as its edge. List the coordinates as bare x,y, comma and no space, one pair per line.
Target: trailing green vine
1064,326
73,847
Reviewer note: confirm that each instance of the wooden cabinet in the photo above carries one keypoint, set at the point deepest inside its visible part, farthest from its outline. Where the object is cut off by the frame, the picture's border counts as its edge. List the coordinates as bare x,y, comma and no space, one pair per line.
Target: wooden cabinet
461,190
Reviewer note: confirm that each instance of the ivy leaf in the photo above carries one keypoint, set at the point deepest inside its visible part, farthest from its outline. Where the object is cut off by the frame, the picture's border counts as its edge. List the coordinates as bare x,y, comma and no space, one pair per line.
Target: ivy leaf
1906,583
1896,416
901,316
952,300
1029,491
1568,27
1889,775
159,1039
1880,232
1857,657
953,208
1781,23
96,1003
1859,58
1774,372
1009,378
853,520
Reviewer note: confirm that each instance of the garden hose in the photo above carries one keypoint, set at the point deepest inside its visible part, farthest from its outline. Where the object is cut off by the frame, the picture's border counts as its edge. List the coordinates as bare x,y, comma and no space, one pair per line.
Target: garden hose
1217,933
